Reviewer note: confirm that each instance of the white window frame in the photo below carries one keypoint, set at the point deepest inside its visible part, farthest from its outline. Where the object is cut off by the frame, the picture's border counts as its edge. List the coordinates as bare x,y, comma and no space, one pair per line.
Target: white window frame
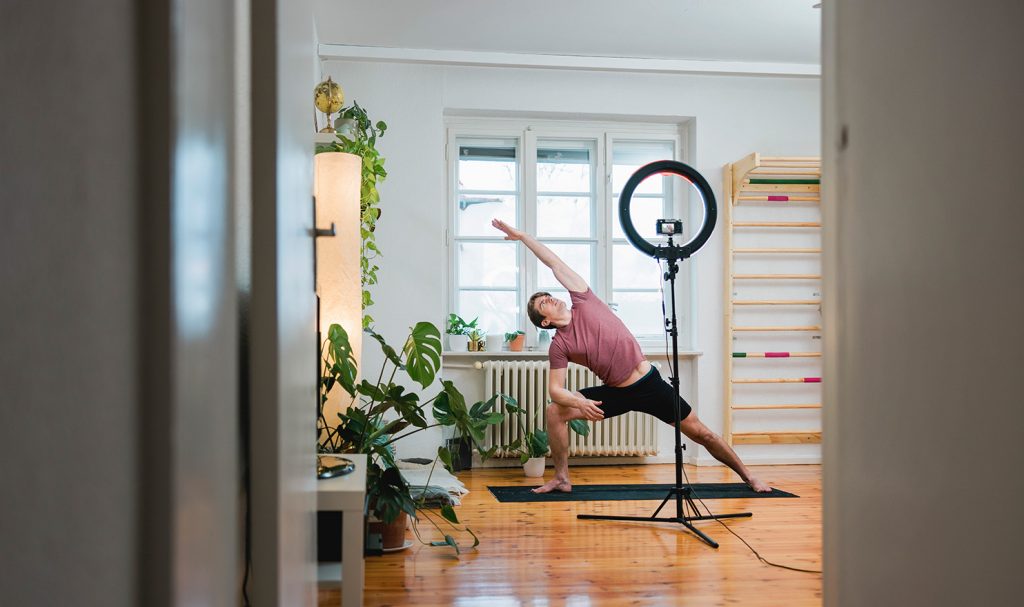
527,132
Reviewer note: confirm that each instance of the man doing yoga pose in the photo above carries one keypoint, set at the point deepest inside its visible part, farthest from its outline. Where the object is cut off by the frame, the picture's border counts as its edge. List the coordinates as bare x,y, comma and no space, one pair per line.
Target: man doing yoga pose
590,334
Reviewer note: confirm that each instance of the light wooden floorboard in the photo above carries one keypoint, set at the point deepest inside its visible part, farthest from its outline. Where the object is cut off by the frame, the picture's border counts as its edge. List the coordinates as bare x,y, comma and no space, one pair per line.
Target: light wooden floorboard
539,554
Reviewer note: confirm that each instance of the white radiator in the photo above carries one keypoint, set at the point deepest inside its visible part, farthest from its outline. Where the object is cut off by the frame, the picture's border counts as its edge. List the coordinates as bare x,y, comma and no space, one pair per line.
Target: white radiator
527,381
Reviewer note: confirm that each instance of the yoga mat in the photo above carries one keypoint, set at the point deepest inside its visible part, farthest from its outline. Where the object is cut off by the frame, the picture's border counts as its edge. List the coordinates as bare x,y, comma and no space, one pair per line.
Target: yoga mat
609,493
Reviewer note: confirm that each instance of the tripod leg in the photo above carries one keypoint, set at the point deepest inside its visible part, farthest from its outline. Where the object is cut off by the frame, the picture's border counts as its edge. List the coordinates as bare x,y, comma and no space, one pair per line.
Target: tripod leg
700,534
663,502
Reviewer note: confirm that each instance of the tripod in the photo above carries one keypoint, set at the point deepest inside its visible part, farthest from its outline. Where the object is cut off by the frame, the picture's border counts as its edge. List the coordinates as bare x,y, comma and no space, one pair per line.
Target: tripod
683,494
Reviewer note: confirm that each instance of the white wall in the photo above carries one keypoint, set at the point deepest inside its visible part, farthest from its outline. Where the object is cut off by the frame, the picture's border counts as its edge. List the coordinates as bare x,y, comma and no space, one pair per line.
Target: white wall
734,115
923,489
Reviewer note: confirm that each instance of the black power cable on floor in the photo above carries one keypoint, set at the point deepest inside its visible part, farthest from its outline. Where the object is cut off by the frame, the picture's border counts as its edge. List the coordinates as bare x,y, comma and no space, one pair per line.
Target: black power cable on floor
664,313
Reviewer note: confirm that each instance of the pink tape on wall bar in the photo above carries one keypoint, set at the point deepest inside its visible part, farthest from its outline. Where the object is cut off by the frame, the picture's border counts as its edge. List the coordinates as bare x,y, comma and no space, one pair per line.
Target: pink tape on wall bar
776,354
812,380
778,198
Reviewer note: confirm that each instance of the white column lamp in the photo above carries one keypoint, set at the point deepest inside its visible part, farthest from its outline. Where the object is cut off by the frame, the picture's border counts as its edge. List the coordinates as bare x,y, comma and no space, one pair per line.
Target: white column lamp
336,188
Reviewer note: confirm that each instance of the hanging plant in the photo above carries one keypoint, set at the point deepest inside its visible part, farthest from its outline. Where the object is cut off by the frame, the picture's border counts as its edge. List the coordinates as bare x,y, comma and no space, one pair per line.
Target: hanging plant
358,135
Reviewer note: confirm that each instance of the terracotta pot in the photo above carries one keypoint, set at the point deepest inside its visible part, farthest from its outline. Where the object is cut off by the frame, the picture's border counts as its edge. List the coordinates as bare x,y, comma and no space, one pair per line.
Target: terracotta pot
516,345
393,533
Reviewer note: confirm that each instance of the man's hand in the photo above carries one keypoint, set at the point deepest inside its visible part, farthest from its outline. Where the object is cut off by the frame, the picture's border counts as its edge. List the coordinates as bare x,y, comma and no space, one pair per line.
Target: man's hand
510,232
590,410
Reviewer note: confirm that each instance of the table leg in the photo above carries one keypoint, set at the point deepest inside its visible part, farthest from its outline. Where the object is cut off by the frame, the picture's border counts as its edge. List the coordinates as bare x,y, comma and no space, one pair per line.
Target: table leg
352,558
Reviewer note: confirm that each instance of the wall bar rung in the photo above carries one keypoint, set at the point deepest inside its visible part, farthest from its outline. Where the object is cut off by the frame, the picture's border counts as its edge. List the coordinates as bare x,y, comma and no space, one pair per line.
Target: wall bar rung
779,380
767,180
778,250
776,302
778,198
776,354
808,328
768,160
776,438
776,276
757,407
786,170
778,187
776,224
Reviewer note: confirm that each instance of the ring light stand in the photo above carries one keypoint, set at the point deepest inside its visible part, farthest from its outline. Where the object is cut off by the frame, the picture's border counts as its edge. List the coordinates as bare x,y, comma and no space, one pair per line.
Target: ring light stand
673,254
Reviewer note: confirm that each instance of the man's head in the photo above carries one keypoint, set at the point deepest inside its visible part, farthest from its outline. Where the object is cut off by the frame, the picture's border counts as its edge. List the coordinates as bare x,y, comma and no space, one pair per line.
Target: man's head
545,311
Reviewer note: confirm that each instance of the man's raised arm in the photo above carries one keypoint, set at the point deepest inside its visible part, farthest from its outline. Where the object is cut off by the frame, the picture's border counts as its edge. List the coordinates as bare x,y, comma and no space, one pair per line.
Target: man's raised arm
563,273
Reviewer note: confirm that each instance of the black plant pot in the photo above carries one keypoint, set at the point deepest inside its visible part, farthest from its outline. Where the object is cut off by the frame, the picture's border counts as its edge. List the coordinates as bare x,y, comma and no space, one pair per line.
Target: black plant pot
462,453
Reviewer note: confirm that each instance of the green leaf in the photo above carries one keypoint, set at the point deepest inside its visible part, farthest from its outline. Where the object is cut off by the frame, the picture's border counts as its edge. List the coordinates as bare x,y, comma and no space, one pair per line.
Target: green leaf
389,352
449,513
579,427
446,457
423,353
367,389
538,443
451,542
443,410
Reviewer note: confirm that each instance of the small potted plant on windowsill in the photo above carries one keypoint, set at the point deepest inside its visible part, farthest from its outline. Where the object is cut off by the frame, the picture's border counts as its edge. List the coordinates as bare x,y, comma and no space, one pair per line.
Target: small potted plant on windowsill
458,331
476,340
515,340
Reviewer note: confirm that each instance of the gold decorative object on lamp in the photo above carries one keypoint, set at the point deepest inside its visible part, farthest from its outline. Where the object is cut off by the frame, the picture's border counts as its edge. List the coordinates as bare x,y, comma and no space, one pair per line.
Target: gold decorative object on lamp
336,188
328,98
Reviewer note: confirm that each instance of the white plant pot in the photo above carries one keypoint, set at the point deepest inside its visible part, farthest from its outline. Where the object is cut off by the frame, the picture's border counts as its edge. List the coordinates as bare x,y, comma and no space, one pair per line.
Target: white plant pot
534,466
494,342
458,343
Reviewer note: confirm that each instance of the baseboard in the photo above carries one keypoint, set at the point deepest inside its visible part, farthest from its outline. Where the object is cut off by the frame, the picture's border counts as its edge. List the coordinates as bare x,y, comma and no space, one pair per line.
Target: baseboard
506,462
764,460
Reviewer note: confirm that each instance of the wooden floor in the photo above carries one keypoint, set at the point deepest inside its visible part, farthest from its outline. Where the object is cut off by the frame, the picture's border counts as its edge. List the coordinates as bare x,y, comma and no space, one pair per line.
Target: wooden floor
539,554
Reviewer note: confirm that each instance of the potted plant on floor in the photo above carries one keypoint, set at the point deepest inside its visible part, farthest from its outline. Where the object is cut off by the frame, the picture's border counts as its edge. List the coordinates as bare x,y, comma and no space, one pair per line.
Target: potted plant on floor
515,340
458,332
384,412
532,447
533,450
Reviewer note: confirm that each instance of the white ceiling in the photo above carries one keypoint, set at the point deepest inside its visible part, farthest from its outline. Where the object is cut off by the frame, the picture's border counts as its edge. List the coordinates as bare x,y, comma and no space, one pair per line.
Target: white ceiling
773,31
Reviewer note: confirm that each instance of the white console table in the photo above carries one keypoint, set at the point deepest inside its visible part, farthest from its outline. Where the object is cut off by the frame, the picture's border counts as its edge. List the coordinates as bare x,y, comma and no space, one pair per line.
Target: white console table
348,494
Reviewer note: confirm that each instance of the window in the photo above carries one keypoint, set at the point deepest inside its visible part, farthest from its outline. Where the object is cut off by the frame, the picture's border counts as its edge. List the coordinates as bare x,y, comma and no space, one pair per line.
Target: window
561,183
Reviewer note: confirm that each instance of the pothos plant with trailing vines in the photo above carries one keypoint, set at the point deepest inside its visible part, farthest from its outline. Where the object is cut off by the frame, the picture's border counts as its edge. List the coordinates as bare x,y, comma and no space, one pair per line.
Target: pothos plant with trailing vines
361,140
383,412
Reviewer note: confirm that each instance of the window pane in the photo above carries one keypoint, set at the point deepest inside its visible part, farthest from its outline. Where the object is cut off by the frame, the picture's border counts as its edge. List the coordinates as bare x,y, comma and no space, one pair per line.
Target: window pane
563,216
563,166
628,156
641,311
644,212
487,164
474,213
631,269
576,256
497,311
487,264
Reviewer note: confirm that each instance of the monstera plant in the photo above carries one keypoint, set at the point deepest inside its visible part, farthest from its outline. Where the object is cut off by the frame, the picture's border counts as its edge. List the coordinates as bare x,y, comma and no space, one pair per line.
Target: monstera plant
383,412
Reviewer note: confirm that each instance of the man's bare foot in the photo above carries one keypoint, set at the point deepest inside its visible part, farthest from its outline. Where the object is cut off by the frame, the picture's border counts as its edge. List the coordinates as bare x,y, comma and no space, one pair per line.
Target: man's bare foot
554,484
758,486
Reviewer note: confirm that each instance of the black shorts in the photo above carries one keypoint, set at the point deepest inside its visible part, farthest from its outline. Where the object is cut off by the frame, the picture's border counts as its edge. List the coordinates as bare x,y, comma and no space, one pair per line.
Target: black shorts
651,395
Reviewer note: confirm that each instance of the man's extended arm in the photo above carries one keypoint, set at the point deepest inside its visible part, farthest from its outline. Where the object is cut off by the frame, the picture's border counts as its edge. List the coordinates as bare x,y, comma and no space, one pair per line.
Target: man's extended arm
563,273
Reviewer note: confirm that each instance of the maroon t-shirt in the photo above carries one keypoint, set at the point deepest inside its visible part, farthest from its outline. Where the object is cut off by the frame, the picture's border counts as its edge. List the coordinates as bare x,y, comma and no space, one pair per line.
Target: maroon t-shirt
596,339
